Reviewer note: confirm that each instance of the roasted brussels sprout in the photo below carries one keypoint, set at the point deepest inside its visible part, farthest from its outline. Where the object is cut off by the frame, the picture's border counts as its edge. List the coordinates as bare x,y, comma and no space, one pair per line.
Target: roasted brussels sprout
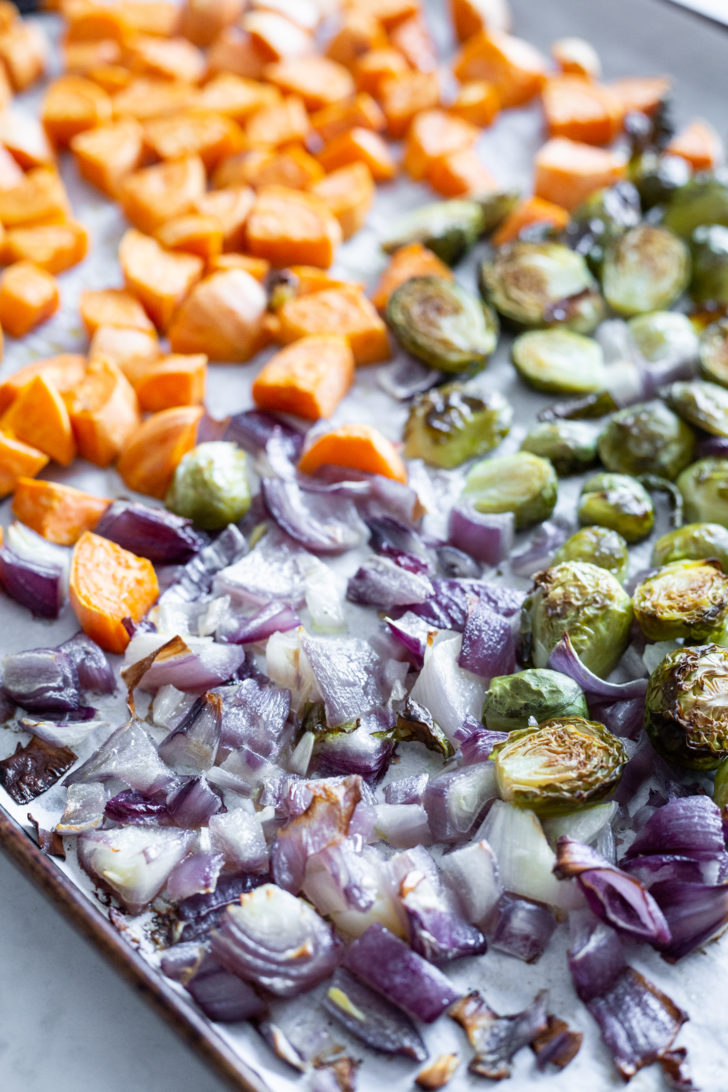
646,269
720,785
709,246
210,485
442,324
450,424
495,205
657,177
714,352
664,335
584,601
559,361
601,219
512,700
619,502
590,407
684,599
447,228
686,706
523,484
647,438
702,404
600,546
702,200
558,766
704,488
542,284
571,446
694,541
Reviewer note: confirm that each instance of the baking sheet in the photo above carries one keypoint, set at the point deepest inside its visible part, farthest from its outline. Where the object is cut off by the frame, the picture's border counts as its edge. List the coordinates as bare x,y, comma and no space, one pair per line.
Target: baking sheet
633,36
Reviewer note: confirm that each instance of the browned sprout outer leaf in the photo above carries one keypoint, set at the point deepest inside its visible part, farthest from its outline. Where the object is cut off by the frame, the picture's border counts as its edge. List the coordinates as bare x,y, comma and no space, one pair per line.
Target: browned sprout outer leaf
438,1073
32,769
495,1039
557,1045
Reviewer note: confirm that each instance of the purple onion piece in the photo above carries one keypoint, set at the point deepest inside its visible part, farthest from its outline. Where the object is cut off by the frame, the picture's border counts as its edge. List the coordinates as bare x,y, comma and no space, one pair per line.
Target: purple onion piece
539,553
406,377
716,446
402,825
273,618
564,658
450,604
274,570
193,580
348,674
656,867
596,959
193,804
323,819
193,743
134,808
42,680
413,633
322,524
154,533
84,809
95,673
695,913
130,755
520,927
182,961
437,930
223,996
365,749
472,876
194,664
33,768
477,742
35,583
624,717
376,497
394,539
280,1044
143,858
676,1070
496,1039
488,537
238,835
455,799
371,1018
557,1045
254,716
690,825
382,583
489,646
252,430
200,912
455,563
407,790
196,874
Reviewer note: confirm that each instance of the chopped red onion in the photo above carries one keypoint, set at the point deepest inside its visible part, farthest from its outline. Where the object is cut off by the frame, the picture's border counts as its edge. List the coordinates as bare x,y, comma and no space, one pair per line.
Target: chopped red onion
196,874
132,862
437,930
193,743
35,582
238,835
382,583
254,716
455,563
154,533
195,579
624,717
323,819
407,377
520,927
406,790
273,618
557,1045
472,875
656,867
477,742
95,673
371,1018
449,606
376,497
275,569
489,646
446,690
42,680
488,537
690,825
539,553
496,1039
252,430
695,913
322,523
193,804
84,809
413,633
138,809
565,658
361,750
181,961
455,800
201,912
348,674
402,825
223,996
130,755
191,664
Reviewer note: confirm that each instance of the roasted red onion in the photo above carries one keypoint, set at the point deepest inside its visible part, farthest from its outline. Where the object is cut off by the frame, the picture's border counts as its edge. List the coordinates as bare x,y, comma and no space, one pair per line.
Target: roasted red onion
84,809
194,804
489,646
454,800
273,618
238,835
132,862
437,930
274,570
130,755
35,582
42,680
150,532
323,819
496,1039
384,584
193,743
322,523
472,875
95,673
223,996
520,927
253,429
488,537
194,663
371,1018
196,874
195,578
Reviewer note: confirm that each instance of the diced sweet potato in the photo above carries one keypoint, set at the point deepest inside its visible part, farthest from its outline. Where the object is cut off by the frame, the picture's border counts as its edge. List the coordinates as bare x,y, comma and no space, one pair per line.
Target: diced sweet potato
284,122
390,13
235,96
28,297
230,207
345,311
155,194
413,260
160,279
151,455
360,146
698,144
233,53
372,70
478,102
470,16
292,167
105,156
359,34
25,138
168,58
150,16
432,135
308,378
640,93
193,233
113,307
23,50
124,347
71,105
568,172
580,109
413,40
18,460
513,65
89,21
146,98
459,173
39,417
274,36
359,447
405,96
53,247
10,172
577,57
39,198
79,58
202,20
318,81
348,193
104,412
61,372
172,380
258,268
58,512
221,317
287,227
531,210
361,112
210,136
308,278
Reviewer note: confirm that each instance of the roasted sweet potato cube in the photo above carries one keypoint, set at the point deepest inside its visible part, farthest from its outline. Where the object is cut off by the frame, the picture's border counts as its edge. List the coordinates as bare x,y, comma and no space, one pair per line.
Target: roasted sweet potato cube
105,156
23,51
151,454
210,136
155,194
39,198
79,58
372,70
28,297
345,311
63,372
274,36
123,346
159,278
230,207
478,102
113,307
18,460
71,105
432,135
567,171
146,98
221,317
104,413
413,40
287,227
413,260
360,33
150,16
234,53
173,380
53,247
516,68
58,512
284,122
360,146
361,112
258,268
308,377
39,417
470,16
318,81
581,109
349,193
235,96
202,20
25,138
168,58
404,96
193,233
258,167
459,173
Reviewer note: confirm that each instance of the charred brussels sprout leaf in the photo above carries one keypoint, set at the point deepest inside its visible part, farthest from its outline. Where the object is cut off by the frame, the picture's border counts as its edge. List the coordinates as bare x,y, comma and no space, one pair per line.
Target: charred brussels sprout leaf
563,764
210,486
523,484
646,439
694,541
710,264
714,352
702,200
571,446
449,424
702,404
684,599
619,502
601,219
647,269
664,335
656,177
441,324
447,228
584,601
686,707
542,284
704,488
512,700
559,361
599,546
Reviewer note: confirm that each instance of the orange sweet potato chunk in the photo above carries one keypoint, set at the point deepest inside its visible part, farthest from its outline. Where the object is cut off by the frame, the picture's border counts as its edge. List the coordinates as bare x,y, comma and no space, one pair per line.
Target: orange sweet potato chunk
284,122
53,247
79,58
194,233
577,57
10,172
359,34
155,194
373,69
348,193
221,317
404,96
459,173
413,40
159,278
230,208
112,307
145,97
28,297
104,412
287,227
360,146
515,67
151,455
105,156
640,93
580,109
18,460
235,96
123,346
71,105
274,36
432,135
478,102
413,260
150,16
39,417
318,81
202,20
168,58
176,379
61,372
308,377
40,197
361,112
531,210
698,144
470,16
258,268
567,172
292,167
210,136
25,138
233,53
359,447
345,311
58,512
109,584
390,13
23,51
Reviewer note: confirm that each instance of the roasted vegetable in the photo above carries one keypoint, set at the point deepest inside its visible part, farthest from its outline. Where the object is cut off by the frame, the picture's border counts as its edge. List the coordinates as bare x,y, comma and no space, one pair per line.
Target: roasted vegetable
685,706
447,228
709,245
558,766
450,424
657,177
210,485
584,601
702,200
720,785
601,546
702,404
512,700
495,205
704,489
714,352
523,484
647,438
571,446
684,599
646,269
559,361
664,335
440,323
542,284
601,219
590,407
694,541
619,502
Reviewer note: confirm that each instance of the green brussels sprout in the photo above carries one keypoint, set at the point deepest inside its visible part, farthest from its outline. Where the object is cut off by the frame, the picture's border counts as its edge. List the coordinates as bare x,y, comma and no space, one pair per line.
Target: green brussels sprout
663,335
714,352
601,219
686,707
447,228
704,489
590,407
702,200
709,245
584,601
537,692
558,766
647,438
523,484
702,404
570,446
442,324
559,361
542,284
450,424
495,205
646,269
210,485
600,546
619,502
694,541
657,177
720,785
684,599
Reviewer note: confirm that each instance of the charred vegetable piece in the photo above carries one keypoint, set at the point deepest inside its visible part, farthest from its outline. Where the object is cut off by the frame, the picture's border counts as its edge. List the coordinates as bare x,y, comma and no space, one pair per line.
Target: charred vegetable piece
647,438
702,200
714,352
619,502
602,546
584,601
589,408
702,404
557,1045
709,245
686,707
524,484
495,205
559,361
647,269
663,335
601,219
558,766
657,177
371,1018
210,485
33,768
512,700
720,785
570,446
495,1039
450,424
704,489
440,323
447,228
542,284
684,599
694,541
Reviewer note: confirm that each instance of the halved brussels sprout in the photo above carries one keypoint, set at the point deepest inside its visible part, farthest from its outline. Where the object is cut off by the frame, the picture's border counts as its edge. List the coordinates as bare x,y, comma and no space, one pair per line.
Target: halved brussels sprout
704,488
584,601
447,228
664,335
647,438
702,200
657,177
709,246
646,269
542,284
601,219
590,407
450,424
540,693
558,766
495,204
619,502
523,484
714,352
694,541
702,404
559,361
570,446
441,324
600,546
684,599
210,485
686,706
